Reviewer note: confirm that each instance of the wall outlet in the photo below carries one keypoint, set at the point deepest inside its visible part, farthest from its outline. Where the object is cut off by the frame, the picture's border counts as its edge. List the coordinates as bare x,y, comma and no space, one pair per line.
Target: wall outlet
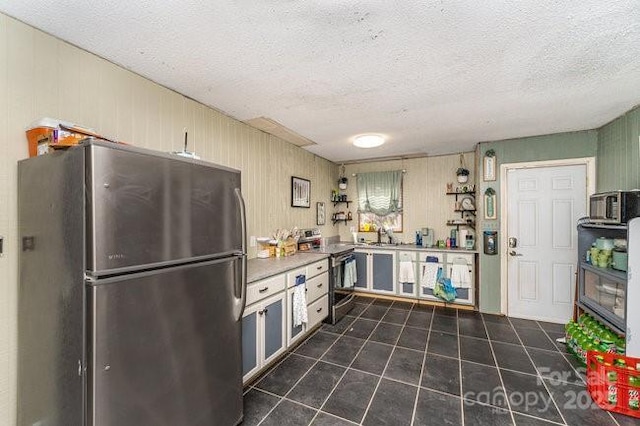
252,241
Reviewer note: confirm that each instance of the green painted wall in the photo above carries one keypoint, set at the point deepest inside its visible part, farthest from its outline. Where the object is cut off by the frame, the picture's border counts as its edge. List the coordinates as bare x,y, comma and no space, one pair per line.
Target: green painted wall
536,148
618,164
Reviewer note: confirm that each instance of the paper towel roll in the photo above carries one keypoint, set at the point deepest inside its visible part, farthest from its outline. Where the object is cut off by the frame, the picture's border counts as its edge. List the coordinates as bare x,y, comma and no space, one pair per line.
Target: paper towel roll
462,237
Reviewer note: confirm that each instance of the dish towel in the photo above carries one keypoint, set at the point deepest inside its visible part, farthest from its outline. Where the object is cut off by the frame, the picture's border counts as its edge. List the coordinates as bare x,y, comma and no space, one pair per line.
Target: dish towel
299,305
350,274
429,275
406,274
460,276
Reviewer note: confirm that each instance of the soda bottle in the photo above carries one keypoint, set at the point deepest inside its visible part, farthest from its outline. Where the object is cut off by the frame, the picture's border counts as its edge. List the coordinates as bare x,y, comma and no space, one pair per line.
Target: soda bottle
582,344
571,343
582,318
612,387
634,392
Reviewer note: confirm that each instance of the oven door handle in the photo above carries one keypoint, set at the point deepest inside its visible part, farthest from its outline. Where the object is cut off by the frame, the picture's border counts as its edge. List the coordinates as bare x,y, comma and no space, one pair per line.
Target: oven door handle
343,258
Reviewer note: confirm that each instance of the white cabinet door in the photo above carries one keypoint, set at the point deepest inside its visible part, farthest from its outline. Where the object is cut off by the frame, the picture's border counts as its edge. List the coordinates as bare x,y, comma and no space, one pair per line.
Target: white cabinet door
464,292
273,327
407,282
383,271
264,334
293,333
362,269
429,262
376,271
251,362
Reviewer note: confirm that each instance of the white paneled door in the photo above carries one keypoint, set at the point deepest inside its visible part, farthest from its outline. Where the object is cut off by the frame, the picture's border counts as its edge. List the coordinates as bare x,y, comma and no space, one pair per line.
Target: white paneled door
543,206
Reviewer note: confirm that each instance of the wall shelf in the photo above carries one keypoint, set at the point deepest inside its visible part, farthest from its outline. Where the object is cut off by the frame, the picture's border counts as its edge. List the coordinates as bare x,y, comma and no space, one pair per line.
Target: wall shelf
463,212
458,224
341,220
335,203
462,193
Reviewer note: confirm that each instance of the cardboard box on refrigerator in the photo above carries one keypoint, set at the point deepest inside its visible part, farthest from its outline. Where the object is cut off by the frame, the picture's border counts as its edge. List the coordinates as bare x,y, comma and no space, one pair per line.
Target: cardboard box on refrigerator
49,133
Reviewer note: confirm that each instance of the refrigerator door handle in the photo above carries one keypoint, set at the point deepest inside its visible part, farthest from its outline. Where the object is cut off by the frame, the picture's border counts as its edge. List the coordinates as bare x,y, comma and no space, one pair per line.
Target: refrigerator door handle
239,303
243,219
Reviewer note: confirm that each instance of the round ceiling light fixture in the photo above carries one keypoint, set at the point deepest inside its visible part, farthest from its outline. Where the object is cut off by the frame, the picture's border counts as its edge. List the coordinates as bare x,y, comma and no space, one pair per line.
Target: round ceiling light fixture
368,141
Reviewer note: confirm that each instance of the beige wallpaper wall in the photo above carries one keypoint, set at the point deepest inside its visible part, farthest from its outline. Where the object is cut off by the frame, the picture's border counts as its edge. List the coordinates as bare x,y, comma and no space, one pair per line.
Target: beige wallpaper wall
424,187
40,76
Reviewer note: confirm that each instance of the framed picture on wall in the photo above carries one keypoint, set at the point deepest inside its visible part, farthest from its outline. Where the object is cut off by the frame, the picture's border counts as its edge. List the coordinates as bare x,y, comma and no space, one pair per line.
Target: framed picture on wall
490,205
300,192
489,166
320,218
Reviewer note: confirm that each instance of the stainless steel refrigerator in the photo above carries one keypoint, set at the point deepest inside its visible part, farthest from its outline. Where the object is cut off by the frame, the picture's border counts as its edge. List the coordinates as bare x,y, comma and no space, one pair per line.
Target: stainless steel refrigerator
132,288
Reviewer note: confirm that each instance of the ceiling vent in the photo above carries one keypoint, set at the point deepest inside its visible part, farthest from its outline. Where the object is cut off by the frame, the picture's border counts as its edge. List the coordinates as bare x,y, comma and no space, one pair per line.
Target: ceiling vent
276,129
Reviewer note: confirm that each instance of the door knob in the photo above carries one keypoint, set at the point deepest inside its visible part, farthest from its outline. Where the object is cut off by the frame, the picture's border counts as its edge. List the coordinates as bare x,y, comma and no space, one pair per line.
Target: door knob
513,253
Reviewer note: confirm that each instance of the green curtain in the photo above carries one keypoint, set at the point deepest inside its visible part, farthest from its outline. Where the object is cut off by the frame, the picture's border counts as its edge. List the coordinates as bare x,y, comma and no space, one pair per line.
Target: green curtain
379,192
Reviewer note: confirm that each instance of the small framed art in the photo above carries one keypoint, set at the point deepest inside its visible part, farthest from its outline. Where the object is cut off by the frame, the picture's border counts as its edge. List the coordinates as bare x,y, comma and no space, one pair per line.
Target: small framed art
320,217
300,192
489,166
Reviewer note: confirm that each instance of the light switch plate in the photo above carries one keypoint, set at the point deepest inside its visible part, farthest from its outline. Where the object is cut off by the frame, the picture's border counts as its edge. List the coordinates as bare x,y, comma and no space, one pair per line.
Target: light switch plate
252,241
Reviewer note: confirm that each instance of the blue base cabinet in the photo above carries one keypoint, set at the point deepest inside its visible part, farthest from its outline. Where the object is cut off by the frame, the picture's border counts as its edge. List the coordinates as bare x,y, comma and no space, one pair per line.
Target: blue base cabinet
263,334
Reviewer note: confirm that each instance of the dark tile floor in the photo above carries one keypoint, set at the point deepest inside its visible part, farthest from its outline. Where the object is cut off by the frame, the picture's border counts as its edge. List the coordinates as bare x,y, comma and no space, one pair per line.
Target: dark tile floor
404,364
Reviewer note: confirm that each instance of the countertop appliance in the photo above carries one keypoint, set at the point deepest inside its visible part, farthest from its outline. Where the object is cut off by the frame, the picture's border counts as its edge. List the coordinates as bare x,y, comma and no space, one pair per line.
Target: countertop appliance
309,238
616,207
132,289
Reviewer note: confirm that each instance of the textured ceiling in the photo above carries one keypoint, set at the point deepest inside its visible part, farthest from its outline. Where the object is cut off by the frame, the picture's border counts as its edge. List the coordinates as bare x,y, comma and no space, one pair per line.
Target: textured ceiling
434,76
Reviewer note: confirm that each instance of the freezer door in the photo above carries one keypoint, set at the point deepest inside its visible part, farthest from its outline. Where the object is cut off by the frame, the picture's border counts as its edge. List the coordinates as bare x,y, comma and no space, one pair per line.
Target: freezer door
50,293
166,348
147,209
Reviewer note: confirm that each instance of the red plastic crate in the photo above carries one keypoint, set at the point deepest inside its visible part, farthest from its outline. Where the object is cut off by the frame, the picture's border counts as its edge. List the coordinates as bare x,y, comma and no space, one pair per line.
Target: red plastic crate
613,395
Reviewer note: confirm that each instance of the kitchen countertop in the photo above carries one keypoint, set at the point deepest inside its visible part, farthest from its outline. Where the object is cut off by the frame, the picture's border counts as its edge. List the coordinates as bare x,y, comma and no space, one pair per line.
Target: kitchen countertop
332,248
410,247
258,269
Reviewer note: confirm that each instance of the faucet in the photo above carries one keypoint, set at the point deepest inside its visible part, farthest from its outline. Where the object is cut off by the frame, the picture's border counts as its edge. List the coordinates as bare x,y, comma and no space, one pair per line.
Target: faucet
379,235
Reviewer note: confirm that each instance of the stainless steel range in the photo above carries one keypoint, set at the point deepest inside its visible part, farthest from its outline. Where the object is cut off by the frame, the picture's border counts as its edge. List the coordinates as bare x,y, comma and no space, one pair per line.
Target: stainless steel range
341,297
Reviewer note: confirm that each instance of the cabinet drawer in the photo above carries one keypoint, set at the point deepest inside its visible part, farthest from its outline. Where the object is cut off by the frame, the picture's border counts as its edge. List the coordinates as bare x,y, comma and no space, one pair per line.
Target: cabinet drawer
317,268
439,255
406,256
293,274
317,311
317,286
467,257
261,289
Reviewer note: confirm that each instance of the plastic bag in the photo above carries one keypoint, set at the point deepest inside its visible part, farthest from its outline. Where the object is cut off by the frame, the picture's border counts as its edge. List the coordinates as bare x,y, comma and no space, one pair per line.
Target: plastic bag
443,288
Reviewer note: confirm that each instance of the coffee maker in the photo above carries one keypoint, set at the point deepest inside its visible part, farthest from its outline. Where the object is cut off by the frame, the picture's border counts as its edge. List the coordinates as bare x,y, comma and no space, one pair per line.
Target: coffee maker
427,237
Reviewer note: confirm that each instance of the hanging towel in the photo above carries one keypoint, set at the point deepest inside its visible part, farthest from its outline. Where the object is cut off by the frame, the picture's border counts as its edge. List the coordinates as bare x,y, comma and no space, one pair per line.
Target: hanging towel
460,276
429,275
406,274
299,305
350,274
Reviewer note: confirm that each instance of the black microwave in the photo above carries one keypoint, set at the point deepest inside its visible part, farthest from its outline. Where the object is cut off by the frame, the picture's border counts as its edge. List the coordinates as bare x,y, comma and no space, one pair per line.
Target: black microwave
615,206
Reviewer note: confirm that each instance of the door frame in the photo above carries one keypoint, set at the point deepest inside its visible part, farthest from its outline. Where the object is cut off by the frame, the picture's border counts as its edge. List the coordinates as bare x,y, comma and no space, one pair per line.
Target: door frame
589,162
